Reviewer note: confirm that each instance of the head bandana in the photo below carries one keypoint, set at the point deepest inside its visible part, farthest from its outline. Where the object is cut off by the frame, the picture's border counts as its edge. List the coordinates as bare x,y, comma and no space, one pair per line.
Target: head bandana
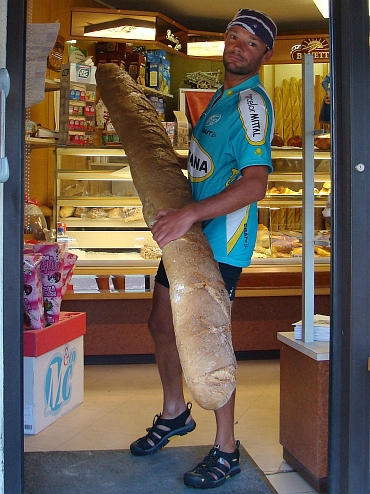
256,23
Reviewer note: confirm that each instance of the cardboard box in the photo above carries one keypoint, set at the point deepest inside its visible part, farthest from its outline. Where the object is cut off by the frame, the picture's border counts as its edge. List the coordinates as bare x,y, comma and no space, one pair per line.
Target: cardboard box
170,129
53,371
152,76
166,77
181,140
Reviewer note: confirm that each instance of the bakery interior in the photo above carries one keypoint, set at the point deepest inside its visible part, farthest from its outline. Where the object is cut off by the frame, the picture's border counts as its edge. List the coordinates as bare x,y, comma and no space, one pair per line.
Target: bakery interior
87,199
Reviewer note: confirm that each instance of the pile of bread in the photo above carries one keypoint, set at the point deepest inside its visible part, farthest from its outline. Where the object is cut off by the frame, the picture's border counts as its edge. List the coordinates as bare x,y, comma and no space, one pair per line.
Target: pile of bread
277,245
281,189
288,98
131,213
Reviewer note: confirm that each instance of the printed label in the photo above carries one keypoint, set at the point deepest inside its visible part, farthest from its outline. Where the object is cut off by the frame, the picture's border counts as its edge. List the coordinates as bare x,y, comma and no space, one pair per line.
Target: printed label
58,385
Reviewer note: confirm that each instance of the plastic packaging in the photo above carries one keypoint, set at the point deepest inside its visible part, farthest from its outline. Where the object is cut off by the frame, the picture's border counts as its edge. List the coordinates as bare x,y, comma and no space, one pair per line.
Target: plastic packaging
34,221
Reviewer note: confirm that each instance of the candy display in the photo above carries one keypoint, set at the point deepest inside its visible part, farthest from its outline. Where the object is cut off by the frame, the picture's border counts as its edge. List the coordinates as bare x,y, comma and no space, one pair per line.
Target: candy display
47,269
32,290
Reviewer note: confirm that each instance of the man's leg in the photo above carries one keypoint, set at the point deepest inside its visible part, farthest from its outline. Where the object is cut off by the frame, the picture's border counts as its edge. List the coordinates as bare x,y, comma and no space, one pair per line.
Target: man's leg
175,418
222,461
225,426
161,328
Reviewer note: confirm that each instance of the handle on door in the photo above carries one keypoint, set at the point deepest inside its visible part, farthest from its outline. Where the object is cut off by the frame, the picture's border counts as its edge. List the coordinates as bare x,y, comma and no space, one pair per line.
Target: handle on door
4,91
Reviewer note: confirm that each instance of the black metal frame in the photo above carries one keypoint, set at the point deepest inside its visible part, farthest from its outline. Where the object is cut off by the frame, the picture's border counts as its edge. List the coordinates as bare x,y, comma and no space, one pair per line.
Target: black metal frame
350,338
13,251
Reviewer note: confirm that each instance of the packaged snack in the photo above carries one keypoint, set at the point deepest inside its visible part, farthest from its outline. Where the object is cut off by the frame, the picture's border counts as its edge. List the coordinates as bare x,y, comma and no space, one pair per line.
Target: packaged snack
52,283
32,290
67,269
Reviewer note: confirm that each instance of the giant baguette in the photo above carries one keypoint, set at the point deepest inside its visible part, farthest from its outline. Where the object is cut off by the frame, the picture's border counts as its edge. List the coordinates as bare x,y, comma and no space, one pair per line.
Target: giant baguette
199,300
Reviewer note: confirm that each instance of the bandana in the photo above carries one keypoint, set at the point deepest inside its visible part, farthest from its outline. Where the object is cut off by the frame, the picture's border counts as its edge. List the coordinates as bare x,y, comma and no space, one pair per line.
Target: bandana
256,23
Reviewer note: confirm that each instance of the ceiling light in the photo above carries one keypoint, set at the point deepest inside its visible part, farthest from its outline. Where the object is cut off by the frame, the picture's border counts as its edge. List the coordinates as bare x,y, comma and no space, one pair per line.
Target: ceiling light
128,28
323,6
206,48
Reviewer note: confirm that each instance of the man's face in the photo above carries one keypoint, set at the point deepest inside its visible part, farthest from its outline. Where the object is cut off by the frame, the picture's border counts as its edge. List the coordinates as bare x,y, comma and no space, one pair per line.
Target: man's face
244,52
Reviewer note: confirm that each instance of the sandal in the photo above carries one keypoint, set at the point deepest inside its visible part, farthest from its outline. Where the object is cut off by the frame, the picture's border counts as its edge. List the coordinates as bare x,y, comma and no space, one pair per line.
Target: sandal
215,469
161,432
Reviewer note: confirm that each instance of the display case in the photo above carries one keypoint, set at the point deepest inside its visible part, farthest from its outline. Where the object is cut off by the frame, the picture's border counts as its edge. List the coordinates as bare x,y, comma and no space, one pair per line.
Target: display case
98,206
280,212
97,203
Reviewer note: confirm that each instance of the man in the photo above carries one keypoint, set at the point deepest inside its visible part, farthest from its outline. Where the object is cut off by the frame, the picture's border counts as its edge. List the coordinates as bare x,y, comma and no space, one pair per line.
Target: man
232,141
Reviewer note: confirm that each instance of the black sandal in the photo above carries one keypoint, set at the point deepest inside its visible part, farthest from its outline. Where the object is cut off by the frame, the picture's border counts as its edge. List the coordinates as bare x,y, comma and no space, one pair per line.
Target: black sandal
158,437
215,469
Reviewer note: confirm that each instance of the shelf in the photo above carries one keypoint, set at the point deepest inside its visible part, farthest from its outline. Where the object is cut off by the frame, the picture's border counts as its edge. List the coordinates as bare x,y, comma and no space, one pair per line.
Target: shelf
90,151
99,202
41,142
73,222
296,153
290,200
119,175
149,90
297,177
51,85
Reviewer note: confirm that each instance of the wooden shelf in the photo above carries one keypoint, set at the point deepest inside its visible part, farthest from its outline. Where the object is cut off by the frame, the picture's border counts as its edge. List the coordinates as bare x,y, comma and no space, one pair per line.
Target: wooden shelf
51,85
40,142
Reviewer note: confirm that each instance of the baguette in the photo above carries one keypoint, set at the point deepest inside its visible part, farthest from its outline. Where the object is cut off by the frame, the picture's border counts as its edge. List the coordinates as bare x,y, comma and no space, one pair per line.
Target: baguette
200,304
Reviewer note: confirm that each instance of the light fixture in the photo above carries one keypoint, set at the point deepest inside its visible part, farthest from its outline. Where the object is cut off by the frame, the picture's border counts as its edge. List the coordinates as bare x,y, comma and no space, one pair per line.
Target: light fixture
323,6
206,48
205,44
125,28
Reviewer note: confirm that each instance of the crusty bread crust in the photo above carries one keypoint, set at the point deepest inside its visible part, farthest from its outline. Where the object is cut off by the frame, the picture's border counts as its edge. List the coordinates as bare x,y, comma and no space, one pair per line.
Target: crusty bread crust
199,300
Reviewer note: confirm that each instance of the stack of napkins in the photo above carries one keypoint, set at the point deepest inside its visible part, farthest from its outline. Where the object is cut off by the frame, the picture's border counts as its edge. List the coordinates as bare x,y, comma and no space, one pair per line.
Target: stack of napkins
321,328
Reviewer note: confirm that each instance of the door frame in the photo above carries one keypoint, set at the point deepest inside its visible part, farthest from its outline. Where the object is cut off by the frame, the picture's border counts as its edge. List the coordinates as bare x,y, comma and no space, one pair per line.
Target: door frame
349,407
13,251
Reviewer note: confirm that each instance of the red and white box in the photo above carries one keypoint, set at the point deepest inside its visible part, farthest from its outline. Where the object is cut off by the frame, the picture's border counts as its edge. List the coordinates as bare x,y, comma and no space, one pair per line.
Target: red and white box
53,370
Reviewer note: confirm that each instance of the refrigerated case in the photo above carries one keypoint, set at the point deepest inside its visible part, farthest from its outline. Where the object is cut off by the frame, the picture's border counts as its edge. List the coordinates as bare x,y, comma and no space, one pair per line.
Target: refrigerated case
97,202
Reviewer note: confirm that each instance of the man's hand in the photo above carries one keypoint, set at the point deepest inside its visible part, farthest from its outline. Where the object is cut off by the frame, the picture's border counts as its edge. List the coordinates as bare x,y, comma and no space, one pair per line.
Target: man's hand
171,224
174,223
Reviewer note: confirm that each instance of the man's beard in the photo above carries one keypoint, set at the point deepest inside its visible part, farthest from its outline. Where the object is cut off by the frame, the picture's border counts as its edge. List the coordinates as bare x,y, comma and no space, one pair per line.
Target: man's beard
244,68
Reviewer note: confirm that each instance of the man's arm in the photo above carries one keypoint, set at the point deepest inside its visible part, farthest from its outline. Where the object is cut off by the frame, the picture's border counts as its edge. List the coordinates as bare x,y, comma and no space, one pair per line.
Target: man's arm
174,223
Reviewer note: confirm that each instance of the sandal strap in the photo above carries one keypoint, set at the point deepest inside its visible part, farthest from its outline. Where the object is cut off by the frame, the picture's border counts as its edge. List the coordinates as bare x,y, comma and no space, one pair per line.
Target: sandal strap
175,423
155,434
217,463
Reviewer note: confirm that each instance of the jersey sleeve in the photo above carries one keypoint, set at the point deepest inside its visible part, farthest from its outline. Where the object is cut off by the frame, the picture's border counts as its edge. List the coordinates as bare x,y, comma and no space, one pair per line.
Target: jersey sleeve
252,130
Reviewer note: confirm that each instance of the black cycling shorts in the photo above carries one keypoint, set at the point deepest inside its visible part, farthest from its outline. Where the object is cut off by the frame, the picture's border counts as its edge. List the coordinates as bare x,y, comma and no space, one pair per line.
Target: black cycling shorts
230,275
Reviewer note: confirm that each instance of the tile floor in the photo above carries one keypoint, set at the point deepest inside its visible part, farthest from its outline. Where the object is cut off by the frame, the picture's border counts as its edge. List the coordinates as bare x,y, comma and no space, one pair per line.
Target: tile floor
121,400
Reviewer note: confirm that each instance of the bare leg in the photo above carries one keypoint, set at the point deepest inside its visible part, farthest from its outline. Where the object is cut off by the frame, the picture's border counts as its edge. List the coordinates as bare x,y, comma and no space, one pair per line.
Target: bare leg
225,426
161,328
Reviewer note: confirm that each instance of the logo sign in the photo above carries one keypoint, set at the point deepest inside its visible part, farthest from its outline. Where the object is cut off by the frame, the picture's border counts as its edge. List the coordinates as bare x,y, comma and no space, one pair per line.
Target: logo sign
171,37
83,72
318,47
58,385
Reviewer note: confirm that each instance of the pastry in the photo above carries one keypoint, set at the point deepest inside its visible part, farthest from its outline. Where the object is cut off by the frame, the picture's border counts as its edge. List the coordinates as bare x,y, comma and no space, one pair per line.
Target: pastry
66,211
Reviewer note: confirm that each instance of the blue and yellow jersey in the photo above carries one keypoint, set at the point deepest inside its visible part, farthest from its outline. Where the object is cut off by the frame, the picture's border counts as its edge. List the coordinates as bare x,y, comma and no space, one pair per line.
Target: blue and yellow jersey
234,132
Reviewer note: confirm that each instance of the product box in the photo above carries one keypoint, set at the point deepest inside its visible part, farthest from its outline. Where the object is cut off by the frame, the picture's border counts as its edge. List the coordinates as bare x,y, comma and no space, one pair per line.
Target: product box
135,66
156,55
166,78
170,129
53,371
181,140
152,75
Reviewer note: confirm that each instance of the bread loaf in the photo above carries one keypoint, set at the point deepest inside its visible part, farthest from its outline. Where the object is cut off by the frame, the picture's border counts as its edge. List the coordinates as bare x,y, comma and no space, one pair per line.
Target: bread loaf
199,300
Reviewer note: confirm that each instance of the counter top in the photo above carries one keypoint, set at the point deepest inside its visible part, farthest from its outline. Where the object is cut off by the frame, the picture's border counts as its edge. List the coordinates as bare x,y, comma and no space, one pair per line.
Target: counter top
317,350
